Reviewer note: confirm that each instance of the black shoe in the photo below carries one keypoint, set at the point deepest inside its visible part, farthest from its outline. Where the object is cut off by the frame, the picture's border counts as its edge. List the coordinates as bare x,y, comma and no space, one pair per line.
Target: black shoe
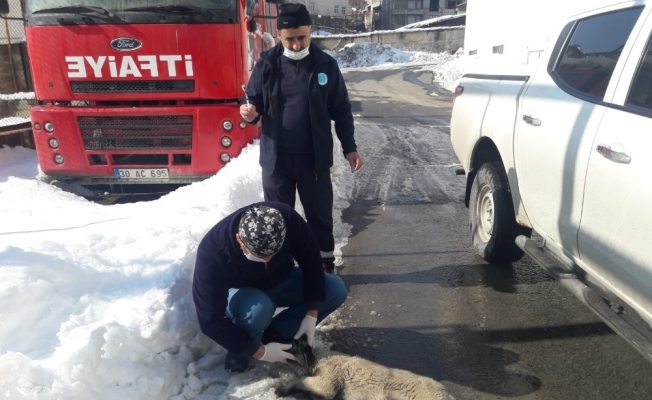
329,268
235,363
329,264
271,335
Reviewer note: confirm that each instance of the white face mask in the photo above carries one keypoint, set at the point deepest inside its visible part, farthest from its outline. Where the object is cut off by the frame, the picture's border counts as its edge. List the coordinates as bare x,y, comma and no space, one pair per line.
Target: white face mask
296,55
252,257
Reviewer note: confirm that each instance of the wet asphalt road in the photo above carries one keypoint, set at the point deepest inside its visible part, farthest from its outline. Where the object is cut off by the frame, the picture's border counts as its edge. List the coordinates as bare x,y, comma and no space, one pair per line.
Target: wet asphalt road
419,297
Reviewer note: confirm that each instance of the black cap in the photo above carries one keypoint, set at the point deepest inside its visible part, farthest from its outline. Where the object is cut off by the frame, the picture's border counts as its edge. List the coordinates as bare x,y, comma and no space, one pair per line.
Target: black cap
292,15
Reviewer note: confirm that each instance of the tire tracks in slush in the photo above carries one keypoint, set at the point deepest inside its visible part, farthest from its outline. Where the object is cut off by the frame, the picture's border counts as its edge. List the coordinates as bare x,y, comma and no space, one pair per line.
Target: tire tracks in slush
407,164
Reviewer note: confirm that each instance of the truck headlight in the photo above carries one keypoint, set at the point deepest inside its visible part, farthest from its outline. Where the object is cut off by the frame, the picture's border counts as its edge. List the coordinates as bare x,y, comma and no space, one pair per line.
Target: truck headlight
58,158
226,141
54,143
243,124
225,157
49,127
227,125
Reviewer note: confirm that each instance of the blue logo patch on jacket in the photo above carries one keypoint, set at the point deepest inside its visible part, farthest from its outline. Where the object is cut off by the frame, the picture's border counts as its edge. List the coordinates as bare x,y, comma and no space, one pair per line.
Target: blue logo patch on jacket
322,78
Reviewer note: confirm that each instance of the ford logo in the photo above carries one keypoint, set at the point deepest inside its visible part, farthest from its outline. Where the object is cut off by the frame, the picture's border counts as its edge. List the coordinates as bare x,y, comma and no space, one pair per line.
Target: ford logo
126,44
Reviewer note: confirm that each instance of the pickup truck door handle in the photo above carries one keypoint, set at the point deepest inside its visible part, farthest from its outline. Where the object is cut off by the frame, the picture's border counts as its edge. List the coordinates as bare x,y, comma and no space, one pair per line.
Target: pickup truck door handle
532,121
617,157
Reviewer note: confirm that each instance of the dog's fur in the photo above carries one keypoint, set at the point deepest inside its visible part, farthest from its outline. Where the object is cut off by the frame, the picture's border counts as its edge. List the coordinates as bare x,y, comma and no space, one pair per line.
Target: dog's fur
326,374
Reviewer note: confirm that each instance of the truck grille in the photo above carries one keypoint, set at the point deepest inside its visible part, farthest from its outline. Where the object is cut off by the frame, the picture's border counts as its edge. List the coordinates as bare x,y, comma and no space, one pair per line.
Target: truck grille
132,86
160,132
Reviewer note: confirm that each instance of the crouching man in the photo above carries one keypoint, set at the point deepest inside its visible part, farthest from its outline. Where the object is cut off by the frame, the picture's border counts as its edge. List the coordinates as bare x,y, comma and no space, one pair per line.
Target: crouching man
245,269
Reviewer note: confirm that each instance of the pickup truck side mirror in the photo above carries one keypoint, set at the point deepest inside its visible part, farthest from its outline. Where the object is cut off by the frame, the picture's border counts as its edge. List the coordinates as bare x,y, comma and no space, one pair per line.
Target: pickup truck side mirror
4,7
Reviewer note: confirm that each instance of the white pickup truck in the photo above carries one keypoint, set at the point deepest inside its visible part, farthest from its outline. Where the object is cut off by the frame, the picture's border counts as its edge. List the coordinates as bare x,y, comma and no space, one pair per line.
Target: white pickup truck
565,150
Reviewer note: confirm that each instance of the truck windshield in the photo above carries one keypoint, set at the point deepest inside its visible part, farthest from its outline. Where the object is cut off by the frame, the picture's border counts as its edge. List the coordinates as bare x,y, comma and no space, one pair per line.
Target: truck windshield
133,11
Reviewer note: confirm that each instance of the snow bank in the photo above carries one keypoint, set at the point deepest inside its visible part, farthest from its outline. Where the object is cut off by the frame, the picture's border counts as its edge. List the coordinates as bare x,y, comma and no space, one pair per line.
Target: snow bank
95,301
370,54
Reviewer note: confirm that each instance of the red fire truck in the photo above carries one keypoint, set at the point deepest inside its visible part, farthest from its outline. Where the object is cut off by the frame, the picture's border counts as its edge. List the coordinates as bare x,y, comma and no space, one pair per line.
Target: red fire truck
142,91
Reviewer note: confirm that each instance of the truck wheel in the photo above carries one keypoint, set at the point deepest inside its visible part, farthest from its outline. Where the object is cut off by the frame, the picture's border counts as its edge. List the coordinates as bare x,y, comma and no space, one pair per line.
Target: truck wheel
493,224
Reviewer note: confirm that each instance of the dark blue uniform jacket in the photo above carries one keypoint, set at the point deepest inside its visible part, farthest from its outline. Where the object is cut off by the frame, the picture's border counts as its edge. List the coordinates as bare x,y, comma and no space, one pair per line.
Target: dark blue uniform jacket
221,265
328,101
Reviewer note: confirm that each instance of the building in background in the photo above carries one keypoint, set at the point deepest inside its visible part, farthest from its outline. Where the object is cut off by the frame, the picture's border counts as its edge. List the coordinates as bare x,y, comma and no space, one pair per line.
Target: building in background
328,8
357,10
393,14
330,15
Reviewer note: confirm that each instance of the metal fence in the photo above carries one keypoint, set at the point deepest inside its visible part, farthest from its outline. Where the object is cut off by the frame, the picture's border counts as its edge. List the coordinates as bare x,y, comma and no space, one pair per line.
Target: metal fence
15,80
15,76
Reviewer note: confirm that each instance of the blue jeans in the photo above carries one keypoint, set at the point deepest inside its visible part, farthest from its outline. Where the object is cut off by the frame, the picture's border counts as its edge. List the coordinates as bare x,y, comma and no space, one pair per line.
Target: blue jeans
253,309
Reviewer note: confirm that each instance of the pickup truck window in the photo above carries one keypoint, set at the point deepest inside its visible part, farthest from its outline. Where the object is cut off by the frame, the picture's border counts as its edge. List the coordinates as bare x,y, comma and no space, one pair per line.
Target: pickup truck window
640,93
590,56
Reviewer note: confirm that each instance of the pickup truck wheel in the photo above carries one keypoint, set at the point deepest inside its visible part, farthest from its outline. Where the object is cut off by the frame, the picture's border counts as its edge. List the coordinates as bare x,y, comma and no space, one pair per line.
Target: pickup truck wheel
493,225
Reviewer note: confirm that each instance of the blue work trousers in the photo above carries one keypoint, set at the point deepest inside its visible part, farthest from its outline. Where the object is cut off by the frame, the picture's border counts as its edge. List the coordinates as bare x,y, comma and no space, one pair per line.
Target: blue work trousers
253,309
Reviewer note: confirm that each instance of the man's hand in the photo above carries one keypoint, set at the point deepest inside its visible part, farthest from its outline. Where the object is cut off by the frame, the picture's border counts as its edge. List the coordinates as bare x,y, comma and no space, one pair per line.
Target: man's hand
308,326
248,112
275,352
355,159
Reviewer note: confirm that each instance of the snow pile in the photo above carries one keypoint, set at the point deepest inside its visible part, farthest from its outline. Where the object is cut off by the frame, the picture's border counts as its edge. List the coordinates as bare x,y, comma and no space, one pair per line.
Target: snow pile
95,301
17,163
368,54
418,57
371,54
448,74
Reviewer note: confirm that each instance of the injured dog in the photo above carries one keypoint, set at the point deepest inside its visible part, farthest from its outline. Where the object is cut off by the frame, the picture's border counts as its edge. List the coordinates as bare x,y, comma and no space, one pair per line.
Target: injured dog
326,374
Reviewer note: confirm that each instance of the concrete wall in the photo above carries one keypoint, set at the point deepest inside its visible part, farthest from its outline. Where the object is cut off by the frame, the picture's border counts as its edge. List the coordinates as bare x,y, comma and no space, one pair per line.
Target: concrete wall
433,40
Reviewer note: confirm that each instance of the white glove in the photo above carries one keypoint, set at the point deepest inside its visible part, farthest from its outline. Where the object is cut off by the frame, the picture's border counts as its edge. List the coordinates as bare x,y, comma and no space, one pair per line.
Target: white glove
275,352
308,325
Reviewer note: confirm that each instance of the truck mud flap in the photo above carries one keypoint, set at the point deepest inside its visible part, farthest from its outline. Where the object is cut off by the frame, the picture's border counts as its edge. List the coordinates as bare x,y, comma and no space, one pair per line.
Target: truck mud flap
621,318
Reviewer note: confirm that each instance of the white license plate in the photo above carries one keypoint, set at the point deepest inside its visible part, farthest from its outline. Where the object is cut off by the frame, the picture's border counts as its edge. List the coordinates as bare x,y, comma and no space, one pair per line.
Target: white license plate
131,174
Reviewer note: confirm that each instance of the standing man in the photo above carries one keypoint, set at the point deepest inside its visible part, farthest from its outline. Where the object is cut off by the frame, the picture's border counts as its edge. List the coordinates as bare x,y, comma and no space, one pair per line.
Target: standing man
245,270
298,90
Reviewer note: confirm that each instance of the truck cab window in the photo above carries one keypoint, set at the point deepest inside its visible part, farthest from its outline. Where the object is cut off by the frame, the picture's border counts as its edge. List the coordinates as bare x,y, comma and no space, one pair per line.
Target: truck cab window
590,57
640,93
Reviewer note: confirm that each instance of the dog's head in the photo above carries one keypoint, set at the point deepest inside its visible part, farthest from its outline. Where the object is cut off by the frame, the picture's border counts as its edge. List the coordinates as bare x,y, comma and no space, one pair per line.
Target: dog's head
302,352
